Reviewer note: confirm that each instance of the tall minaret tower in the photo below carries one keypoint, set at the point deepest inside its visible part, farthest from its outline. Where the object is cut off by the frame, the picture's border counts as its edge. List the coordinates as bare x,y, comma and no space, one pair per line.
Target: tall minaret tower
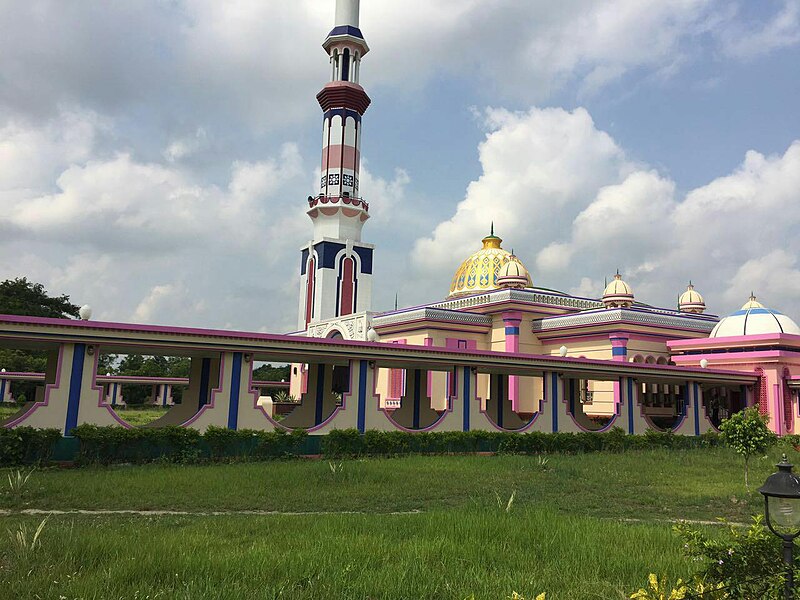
336,267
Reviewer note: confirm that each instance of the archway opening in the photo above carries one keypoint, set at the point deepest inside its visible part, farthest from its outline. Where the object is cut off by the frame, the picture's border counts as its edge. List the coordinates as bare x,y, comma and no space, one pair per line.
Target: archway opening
720,402
663,404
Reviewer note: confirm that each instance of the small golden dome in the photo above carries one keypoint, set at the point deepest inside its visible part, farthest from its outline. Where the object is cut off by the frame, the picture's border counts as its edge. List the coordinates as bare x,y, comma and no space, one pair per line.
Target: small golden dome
691,301
480,271
618,294
752,303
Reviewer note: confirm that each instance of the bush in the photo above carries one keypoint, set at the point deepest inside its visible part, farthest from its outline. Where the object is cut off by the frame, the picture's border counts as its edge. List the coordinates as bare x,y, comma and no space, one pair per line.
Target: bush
106,445
748,434
745,564
26,445
349,442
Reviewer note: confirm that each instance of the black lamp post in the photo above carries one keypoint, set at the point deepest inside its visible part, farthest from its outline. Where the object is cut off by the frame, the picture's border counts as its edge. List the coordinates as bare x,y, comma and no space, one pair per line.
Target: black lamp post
781,493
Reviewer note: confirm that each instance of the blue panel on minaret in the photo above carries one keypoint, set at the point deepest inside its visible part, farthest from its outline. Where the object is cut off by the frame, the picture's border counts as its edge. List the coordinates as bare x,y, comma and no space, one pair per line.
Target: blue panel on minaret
327,252
303,261
365,254
346,30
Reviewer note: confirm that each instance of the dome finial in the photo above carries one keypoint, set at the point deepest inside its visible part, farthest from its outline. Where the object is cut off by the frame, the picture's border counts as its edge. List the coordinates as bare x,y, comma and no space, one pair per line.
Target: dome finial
492,229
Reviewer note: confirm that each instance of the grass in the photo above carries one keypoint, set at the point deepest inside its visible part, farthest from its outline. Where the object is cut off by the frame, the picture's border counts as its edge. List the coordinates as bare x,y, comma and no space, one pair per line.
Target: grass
657,484
568,531
7,409
133,416
441,554
140,416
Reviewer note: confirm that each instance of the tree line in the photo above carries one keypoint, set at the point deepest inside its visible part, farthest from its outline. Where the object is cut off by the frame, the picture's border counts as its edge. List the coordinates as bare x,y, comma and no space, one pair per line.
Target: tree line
22,297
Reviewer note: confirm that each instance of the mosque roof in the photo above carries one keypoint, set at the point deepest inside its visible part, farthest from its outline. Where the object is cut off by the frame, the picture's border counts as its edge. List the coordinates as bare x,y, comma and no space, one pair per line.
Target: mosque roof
480,271
754,319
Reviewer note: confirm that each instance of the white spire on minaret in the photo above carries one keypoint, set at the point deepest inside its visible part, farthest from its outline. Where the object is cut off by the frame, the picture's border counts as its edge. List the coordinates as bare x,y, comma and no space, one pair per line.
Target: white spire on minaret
347,12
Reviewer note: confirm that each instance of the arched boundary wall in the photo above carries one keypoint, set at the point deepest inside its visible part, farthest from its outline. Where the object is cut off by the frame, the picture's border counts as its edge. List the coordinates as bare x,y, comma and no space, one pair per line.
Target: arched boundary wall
221,391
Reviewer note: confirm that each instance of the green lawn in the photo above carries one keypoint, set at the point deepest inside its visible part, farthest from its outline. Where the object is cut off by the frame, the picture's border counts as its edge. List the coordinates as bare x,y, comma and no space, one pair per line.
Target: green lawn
6,410
141,416
132,416
568,531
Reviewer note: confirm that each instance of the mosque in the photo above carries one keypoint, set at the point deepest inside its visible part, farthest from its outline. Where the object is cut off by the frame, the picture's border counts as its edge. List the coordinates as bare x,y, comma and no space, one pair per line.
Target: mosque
497,351
494,304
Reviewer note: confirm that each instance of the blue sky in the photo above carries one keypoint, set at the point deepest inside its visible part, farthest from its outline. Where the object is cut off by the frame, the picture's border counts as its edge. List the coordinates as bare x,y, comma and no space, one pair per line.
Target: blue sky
155,156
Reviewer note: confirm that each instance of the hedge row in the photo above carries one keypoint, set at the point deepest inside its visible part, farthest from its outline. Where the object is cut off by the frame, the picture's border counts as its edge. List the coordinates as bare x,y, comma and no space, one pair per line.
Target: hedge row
26,445
349,442
107,445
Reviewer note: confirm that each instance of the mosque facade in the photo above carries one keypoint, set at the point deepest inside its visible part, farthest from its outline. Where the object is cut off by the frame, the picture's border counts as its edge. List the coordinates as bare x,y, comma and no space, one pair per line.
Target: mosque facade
494,304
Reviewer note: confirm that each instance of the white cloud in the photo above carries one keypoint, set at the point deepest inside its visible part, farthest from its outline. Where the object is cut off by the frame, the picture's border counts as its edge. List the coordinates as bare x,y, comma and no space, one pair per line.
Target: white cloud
249,64
142,241
563,192
184,147
538,169
775,276
742,40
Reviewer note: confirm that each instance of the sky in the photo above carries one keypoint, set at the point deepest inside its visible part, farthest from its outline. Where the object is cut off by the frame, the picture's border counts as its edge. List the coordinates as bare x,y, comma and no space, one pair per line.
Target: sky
155,156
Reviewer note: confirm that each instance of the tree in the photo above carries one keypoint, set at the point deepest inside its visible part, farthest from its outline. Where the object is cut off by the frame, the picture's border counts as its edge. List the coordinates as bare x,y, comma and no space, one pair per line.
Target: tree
22,297
151,366
267,372
748,434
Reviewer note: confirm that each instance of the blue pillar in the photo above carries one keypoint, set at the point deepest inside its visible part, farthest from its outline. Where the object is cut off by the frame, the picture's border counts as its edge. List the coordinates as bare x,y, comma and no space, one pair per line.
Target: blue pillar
236,383
363,365
75,383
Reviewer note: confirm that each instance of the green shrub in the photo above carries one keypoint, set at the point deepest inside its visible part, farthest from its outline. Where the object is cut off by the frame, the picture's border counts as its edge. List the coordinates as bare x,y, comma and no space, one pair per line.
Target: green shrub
746,563
748,434
106,445
349,442
26,445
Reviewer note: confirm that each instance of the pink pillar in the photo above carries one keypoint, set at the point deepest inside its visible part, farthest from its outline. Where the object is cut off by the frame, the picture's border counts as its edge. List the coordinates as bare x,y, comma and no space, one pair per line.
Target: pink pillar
429,343
512,320
619,351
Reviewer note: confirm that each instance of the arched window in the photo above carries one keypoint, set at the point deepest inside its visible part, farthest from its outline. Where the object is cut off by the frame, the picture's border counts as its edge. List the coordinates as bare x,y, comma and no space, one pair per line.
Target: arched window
336,65
346,65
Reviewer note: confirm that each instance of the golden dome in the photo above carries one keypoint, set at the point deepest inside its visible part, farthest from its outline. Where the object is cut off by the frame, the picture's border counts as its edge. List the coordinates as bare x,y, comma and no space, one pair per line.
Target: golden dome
480,272
618,293
691,301
752,303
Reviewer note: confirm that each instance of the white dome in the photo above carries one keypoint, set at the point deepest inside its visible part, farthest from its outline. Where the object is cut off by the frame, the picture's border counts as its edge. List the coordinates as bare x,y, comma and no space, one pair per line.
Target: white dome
753,319
618,293
691,301
513,274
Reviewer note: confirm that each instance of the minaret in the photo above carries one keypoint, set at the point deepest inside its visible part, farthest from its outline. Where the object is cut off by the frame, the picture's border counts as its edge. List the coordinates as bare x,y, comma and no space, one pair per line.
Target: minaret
336,267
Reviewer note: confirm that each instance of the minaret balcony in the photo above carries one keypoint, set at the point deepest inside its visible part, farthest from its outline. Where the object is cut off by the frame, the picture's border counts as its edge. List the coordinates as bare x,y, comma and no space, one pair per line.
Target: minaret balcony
344,94
331,201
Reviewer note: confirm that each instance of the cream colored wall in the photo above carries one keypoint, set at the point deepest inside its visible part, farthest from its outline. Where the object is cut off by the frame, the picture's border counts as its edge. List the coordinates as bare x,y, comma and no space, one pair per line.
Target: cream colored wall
647,349
604,401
